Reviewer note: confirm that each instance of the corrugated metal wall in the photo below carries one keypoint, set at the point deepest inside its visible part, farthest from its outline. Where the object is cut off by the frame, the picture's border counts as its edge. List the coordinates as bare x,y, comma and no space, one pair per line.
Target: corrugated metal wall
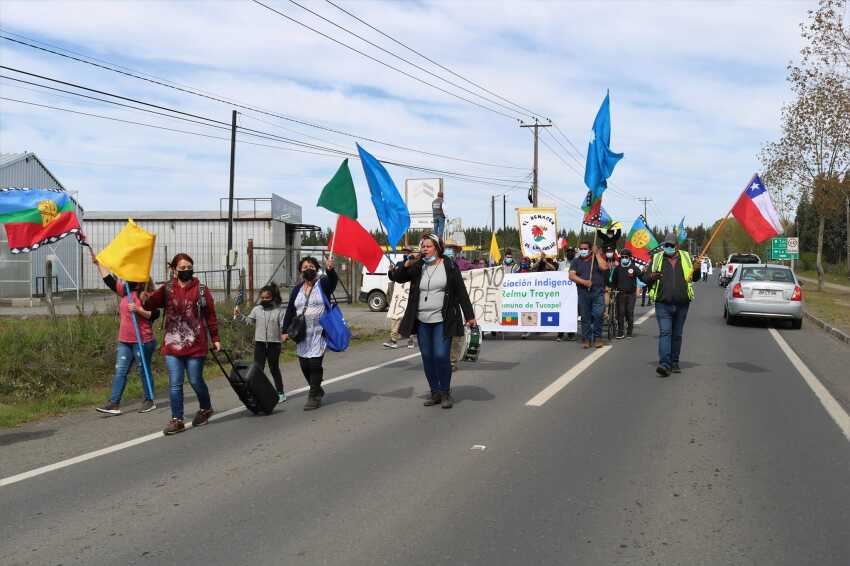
204,240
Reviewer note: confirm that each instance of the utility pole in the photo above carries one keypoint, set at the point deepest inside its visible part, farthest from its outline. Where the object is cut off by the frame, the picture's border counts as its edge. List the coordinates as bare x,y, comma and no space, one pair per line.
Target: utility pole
230,205
505,214
645,200
535,185
493,213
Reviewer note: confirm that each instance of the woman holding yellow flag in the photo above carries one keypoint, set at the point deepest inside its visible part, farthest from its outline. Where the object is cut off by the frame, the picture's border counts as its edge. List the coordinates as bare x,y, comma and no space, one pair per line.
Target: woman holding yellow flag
128,351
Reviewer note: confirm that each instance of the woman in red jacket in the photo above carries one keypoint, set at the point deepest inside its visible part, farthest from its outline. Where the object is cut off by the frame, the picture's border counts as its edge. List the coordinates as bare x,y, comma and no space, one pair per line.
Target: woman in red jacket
189,319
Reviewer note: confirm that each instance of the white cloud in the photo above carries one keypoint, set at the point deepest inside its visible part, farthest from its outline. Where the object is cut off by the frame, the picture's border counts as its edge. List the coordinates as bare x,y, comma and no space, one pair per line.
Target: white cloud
696,89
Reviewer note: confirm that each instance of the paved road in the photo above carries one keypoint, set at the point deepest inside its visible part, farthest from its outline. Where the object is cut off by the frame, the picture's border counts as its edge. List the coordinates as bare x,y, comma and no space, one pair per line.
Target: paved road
735,461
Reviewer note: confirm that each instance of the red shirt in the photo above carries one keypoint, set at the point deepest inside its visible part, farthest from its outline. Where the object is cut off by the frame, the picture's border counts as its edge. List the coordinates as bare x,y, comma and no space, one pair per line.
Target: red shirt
185,331
126,333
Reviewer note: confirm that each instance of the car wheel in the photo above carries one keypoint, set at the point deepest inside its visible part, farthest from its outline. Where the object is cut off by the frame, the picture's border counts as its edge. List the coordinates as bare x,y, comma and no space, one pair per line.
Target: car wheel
377,301
797,324
731,320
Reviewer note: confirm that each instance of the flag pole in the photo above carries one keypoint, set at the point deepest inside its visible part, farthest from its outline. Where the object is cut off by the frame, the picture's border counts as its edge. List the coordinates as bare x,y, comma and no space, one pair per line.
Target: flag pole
147,371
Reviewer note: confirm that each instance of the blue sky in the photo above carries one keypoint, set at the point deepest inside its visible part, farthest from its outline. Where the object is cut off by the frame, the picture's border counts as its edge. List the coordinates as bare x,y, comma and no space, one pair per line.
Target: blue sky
696,89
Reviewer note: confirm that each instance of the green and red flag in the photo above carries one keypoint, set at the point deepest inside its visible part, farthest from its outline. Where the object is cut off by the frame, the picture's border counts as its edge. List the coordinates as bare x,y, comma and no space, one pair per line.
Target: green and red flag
35,217
641,241
350,238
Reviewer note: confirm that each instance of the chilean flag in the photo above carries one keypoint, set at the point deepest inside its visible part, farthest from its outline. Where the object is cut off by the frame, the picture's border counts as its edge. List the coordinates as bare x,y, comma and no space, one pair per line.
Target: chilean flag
756,213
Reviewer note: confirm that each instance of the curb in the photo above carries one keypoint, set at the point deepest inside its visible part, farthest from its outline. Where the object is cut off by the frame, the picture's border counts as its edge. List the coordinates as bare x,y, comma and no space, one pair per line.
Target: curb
836,333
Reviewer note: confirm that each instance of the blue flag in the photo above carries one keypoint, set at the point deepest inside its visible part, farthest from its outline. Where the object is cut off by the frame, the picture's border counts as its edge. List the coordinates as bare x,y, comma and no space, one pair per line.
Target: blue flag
681,233
390,207
600,159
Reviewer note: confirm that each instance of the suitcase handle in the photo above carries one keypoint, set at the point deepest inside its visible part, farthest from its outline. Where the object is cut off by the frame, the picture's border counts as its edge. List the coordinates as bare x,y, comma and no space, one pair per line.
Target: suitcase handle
218,361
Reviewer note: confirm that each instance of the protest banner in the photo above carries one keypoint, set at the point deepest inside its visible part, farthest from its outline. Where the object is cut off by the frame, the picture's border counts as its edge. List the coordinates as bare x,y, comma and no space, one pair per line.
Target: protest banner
538,232
537,302
483,286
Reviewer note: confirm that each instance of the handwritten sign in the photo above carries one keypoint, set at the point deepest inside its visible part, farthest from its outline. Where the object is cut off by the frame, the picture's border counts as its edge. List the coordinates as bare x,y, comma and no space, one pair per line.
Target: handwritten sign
483,286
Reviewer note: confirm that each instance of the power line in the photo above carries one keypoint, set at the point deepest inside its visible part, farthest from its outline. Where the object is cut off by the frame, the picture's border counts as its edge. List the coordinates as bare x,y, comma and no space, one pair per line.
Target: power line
384,63
399,57
54,50
443,67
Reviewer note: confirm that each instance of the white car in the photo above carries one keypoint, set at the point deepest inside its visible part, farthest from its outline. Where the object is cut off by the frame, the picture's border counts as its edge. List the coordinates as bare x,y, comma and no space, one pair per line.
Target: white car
764,291
374,288
732,264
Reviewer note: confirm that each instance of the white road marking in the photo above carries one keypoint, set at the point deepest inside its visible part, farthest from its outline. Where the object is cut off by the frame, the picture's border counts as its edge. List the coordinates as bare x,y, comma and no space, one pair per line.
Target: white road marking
153,436
553,388
645,316
833,408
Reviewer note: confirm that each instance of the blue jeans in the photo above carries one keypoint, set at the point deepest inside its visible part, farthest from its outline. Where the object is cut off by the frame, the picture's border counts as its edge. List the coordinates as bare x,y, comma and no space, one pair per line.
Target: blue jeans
439,225
436,349
591,307
671,324
127,354
177,367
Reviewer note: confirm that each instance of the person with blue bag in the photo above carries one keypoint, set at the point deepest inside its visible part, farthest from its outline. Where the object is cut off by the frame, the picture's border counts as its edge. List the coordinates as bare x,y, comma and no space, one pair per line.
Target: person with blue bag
302,323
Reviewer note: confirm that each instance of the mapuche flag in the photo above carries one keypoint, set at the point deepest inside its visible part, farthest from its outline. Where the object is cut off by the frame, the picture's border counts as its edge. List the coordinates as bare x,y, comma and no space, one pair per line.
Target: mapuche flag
641,241
599,165
756,213
35,217
350,238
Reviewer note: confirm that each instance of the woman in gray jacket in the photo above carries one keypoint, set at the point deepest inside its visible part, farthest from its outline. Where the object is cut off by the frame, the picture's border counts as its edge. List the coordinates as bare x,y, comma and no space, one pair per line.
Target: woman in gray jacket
267,318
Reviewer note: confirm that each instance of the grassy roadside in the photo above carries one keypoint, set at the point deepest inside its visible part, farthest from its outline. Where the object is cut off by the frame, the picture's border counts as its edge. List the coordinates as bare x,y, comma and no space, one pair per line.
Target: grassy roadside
53,367
829,277
833,307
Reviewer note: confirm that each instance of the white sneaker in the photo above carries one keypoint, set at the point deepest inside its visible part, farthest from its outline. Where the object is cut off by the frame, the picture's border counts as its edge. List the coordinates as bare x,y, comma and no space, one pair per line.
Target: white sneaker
391,344
410,345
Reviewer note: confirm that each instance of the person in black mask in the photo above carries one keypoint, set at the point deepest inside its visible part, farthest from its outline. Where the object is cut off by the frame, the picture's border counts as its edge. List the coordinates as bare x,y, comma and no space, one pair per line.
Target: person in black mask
267,318
306,300
570,254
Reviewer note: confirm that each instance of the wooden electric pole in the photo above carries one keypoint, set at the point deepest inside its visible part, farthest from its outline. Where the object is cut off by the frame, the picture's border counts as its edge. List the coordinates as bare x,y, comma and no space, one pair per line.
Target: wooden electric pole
645,200
534,182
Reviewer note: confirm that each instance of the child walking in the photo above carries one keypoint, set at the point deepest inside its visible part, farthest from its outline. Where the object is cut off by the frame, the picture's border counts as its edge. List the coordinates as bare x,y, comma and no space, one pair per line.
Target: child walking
267,318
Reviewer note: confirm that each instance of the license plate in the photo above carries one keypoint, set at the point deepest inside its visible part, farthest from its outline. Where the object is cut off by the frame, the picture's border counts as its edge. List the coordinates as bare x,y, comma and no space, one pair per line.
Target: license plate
765,292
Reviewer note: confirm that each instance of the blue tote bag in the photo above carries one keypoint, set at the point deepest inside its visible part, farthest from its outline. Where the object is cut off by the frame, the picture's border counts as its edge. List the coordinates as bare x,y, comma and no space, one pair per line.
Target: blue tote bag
337,332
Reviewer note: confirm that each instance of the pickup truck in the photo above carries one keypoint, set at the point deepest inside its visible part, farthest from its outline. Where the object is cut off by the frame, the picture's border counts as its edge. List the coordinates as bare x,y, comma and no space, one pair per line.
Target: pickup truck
732,263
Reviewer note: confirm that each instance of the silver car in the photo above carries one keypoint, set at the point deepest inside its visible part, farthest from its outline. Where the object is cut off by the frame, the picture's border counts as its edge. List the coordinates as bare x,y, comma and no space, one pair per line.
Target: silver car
764,291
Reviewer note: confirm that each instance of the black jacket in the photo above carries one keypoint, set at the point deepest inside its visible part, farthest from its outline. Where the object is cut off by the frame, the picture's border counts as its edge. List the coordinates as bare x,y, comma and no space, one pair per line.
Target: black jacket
624,281
456,305
326,282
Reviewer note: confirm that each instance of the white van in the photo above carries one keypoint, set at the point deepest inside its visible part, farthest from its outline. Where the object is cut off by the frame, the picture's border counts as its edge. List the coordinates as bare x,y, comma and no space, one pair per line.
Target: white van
373,290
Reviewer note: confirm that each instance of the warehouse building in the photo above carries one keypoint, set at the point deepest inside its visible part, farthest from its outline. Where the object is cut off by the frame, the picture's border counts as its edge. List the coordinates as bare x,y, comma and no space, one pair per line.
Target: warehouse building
23,275
274,225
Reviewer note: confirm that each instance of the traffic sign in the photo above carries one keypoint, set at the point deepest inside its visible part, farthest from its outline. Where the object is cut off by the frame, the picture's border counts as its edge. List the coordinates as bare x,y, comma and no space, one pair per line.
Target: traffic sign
784,248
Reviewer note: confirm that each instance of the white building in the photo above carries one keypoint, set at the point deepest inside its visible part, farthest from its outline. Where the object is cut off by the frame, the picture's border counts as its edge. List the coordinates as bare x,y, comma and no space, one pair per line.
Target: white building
274,225
22,275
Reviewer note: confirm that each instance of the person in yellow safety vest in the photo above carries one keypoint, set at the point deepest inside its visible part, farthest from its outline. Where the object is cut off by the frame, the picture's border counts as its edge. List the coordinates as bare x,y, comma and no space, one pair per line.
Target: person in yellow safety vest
670,278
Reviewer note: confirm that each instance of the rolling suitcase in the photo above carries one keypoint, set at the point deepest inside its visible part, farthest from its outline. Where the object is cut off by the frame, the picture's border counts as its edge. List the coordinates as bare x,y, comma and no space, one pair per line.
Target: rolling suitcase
250,384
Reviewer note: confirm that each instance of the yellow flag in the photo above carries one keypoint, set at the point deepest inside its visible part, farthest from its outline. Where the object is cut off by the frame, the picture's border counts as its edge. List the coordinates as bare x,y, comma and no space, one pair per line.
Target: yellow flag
495,254
130,254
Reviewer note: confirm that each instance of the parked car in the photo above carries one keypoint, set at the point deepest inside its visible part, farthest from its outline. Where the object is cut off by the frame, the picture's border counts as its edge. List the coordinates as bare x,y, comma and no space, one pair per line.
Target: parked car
732,264
373,289
764,291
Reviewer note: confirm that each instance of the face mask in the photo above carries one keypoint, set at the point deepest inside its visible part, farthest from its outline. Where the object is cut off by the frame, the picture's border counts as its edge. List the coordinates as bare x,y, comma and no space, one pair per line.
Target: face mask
609,255
669,250
449,253
308,274
429,259
509,260
625,262
267,304
584,253
185,275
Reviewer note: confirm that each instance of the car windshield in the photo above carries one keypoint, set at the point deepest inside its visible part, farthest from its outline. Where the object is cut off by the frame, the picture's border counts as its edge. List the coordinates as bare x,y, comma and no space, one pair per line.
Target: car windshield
774,274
